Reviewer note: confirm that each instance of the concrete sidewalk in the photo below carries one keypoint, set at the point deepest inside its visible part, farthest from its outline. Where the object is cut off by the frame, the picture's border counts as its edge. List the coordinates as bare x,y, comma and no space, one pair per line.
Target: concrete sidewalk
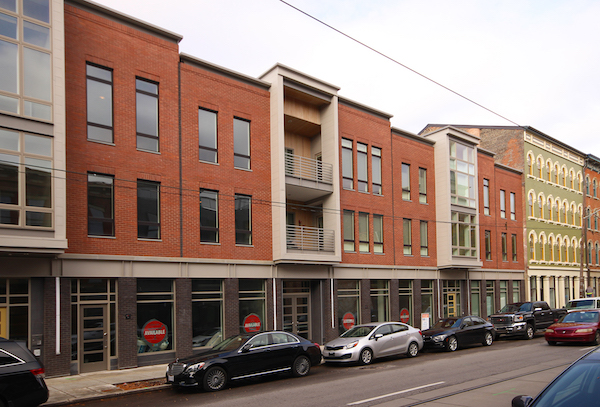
88,386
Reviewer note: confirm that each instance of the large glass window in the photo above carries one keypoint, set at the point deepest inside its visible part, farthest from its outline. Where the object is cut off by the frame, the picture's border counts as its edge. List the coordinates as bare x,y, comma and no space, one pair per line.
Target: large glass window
348,294
361,167
502,204
146,115
209,216
513,207
424,238
486,196
14,307
380,299
503,293
25,179
363,232
252,305
378,234
422,185
241,144
476,298
489,297
405,291
513,239
347,165
207,312
462,174
488,245
99,104
464,235
407,236
516,293
207,135
101,216
427,305
504,247
406,182
376,170
243,220
25,59
148,208
154,314
349,231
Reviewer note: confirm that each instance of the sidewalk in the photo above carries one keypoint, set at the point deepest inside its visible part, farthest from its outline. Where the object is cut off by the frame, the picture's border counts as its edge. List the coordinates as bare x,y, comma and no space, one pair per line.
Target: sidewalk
89,386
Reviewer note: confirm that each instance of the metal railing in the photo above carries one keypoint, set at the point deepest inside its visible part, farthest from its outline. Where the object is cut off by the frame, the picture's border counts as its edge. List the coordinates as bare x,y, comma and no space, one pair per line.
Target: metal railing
306,238
309,169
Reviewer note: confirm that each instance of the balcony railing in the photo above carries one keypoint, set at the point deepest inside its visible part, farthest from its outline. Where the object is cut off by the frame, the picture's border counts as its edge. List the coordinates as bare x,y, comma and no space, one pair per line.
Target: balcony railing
306,238
309,169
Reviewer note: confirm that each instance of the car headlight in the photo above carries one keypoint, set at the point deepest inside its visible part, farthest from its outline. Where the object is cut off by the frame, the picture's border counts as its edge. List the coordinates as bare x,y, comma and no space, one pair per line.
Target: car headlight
192,369
518,318
439,338
351,345
583,331
549,330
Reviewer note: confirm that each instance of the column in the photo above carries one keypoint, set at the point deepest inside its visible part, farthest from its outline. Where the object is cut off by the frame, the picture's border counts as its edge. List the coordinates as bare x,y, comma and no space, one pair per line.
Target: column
546,288
561,292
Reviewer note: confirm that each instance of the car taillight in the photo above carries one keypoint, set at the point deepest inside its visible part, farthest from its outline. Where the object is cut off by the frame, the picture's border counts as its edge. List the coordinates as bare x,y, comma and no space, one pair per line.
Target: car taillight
38,372
317,345
420,333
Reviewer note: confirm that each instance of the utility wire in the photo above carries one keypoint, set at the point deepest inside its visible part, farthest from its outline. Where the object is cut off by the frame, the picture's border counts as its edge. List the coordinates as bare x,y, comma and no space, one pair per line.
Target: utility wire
398,62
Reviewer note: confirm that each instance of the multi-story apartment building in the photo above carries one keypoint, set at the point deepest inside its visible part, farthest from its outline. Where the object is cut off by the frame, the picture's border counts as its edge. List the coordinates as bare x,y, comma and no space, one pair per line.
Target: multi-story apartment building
555,194
591,231
169,202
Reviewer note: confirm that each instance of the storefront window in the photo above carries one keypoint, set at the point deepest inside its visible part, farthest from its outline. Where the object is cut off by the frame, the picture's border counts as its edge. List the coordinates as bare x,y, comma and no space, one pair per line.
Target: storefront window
252,305
207,312
516,292
14,309
154,315
489,297
380,295
503,293
406,300
427,308
475,297
348,294
451,295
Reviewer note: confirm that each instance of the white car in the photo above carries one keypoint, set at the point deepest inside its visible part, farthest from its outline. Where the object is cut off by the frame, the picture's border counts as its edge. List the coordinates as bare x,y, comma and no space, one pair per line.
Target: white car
366,342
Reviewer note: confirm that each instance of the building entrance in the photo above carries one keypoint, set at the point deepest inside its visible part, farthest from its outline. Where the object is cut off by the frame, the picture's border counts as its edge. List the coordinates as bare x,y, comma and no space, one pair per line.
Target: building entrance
296,308
94,336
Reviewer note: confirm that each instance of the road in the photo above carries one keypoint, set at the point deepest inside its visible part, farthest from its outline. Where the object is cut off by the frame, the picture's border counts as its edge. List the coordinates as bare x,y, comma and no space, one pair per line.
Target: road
425,380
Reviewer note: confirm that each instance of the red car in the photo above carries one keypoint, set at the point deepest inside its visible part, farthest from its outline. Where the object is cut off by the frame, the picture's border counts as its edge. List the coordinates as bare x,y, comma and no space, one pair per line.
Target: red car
576,326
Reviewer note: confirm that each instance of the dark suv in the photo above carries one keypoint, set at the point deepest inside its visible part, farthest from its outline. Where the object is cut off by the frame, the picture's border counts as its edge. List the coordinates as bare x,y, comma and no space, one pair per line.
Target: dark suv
21,376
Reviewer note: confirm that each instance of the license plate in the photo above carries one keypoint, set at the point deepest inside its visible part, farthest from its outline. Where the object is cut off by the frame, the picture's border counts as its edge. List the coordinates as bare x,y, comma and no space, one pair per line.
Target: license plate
170,378
331,354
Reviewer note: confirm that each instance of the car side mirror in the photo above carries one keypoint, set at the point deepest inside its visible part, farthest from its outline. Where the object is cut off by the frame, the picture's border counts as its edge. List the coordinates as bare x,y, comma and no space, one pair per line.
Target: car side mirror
377,336
521,401
463,326
246,348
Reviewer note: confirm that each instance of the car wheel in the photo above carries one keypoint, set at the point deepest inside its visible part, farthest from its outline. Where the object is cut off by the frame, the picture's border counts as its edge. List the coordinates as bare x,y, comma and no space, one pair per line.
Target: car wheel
529,332
451,344
301,366
366,356
215,379
551,343
596,338
488,339
413,350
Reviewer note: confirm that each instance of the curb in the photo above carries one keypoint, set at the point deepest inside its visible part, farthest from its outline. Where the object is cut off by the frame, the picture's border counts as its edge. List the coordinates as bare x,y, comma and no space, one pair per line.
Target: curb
108,395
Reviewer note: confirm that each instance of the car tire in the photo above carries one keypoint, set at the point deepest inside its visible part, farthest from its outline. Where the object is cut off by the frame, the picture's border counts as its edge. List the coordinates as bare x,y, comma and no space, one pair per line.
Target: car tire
488,339
529,332
451,344
413,350
301,366
215,379
596,340
552,343
365,357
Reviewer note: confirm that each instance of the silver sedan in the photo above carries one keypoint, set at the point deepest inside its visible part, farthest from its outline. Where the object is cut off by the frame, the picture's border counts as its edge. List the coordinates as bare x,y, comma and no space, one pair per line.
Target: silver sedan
363,343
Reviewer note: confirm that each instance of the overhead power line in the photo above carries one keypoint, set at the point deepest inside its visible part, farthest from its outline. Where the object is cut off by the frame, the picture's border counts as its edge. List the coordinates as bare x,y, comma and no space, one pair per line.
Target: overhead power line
398,62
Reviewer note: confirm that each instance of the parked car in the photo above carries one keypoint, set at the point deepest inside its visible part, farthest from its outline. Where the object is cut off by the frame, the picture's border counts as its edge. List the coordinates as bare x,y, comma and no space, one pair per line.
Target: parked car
366,342
576,326
21,376
452,333
577,385
244,356
525,318
583,303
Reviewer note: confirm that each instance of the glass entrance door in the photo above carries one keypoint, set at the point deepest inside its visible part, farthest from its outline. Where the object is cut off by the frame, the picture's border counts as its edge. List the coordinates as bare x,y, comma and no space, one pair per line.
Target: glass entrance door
296,314
94,338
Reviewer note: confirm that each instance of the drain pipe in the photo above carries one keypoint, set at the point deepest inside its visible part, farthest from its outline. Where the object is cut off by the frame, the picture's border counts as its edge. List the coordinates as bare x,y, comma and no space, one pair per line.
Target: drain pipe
57,316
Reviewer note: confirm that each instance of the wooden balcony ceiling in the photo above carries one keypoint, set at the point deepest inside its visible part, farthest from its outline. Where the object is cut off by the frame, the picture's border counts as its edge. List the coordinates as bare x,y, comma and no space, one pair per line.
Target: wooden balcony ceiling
301,127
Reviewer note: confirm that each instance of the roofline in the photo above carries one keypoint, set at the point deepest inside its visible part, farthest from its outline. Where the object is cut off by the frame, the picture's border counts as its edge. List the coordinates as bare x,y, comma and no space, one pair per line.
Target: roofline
209,66
413,136
507,168
127,19
366,108
334,88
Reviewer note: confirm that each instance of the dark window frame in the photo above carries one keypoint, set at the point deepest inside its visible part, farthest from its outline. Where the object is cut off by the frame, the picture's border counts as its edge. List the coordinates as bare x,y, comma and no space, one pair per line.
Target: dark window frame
245,232
139,134
89,77
104,221
205,148
148,224
237,155
206,231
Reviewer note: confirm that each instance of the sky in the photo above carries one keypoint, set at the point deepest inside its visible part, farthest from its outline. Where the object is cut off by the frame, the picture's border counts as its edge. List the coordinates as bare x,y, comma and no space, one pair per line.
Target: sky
535,63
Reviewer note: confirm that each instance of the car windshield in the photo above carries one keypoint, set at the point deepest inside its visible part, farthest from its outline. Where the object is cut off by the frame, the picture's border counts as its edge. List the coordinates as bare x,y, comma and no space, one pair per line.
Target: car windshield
448,323
578,386
580,317
519,306
580,304
231,343
358,331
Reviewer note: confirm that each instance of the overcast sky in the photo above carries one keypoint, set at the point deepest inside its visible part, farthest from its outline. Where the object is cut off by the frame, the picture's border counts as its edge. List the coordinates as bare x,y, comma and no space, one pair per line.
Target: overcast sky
536,62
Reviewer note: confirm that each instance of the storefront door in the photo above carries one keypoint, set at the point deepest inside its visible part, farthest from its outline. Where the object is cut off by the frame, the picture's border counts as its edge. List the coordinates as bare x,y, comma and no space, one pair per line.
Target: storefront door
3,323
93,345
451,304
296,314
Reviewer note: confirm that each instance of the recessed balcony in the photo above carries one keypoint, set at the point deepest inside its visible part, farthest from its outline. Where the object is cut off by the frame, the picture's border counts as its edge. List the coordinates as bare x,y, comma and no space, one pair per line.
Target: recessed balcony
309,239
307,179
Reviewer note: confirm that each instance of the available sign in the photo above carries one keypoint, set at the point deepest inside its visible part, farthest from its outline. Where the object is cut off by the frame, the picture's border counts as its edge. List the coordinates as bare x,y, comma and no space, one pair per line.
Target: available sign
252,323
154,332
404,316
348,320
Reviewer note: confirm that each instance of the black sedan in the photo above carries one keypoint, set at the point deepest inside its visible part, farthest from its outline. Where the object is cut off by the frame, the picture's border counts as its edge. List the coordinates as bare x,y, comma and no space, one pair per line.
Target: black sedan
21,376
451,333
245,356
